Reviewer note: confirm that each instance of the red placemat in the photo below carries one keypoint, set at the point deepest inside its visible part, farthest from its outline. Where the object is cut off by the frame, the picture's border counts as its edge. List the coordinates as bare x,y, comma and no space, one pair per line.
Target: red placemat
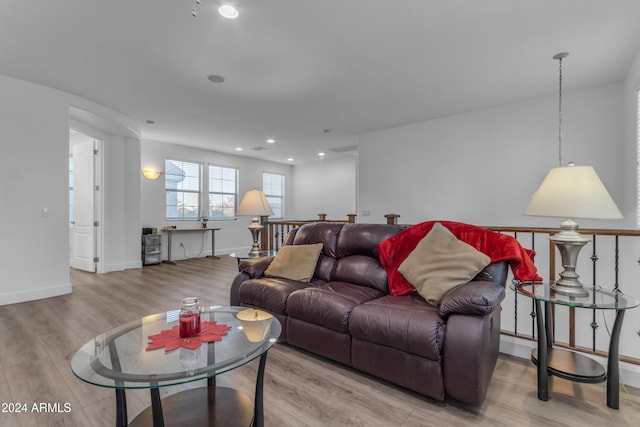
170,338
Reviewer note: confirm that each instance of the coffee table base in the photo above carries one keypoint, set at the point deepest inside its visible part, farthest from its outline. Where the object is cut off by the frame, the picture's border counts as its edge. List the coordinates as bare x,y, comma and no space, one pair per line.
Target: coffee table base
205,406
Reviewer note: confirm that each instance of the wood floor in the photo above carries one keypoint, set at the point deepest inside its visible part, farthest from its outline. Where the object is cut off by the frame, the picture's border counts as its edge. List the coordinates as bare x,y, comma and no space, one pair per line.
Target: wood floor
37,340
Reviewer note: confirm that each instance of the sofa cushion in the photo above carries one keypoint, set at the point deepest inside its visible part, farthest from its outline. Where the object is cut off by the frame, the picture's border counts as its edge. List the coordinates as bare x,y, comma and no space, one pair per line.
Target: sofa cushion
320,232
295,262
269,293
361,270
329,304
441,262
363,239
406,323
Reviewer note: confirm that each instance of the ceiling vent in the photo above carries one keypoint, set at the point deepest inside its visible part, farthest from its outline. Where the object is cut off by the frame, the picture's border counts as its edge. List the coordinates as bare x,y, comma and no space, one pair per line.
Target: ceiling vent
350,149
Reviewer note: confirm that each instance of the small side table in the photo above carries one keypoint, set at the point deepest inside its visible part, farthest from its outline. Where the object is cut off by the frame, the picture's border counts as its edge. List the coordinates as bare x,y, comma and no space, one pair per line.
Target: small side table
568,364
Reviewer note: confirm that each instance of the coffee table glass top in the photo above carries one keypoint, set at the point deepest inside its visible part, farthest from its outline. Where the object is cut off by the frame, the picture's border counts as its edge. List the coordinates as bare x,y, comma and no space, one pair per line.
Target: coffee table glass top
598,298
118,359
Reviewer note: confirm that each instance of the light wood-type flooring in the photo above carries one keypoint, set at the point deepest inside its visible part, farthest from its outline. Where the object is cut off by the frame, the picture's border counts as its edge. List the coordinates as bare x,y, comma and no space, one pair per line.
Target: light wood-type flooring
37,340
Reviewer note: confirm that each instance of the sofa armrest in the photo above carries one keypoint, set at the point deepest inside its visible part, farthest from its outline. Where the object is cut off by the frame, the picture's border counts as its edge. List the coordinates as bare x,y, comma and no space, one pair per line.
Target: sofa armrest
255,268
476,297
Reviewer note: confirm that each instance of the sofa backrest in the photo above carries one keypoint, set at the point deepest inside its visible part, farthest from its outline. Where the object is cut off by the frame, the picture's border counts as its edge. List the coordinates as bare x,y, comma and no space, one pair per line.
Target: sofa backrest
327,234
349,253
496,272
358,260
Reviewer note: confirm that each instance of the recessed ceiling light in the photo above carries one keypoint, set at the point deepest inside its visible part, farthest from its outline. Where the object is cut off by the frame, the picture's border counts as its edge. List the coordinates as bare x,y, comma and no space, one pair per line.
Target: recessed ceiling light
321,154
215,78
290,159
238,148
228,11
271,141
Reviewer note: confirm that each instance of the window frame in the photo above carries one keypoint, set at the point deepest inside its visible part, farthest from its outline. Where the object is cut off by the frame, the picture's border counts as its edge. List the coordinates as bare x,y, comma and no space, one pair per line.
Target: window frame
198,192
271,196
223,193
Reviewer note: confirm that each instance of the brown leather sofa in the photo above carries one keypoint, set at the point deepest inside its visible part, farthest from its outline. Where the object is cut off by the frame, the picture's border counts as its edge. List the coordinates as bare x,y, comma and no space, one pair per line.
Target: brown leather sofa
345,313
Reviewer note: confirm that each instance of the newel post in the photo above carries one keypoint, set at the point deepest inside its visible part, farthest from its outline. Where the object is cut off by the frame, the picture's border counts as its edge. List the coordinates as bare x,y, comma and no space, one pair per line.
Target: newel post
392,218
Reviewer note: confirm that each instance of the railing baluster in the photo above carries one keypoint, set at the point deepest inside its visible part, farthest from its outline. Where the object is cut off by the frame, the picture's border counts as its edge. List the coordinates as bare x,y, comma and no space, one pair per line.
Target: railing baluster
594,323
616,264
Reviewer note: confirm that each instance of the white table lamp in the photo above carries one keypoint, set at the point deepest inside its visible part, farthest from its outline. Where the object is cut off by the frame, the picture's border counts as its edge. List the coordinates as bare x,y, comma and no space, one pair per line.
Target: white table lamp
572,192
255,204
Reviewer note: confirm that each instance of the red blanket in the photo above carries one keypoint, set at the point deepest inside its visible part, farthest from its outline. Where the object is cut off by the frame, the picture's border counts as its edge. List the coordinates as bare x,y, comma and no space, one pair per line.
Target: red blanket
498,247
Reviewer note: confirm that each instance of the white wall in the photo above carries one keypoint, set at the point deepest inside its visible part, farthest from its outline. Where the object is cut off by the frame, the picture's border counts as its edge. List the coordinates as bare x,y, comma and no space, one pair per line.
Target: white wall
482,167
233,235
121,200
327,186
630,149
34,141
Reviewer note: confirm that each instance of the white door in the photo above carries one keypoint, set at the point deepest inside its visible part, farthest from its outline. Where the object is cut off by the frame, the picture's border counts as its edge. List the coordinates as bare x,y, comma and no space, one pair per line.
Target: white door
83,232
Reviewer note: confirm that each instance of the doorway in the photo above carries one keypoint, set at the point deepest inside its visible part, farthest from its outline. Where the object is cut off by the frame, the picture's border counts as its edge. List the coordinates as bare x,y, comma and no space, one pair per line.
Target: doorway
84,200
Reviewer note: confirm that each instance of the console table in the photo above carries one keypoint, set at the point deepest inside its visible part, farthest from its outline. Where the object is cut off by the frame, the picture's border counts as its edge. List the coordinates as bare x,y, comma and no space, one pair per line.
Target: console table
568,364
171,230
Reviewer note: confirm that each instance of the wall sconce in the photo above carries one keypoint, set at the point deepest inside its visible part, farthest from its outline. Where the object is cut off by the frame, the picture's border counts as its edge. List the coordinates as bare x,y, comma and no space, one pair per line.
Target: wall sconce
151,172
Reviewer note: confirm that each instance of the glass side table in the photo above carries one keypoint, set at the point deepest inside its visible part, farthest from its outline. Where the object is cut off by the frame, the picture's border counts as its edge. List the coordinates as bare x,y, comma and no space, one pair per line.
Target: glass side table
569,364
241,256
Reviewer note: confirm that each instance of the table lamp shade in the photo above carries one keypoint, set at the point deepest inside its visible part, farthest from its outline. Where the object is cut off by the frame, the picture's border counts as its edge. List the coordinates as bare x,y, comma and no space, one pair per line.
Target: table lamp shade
573,192
255,323
254,203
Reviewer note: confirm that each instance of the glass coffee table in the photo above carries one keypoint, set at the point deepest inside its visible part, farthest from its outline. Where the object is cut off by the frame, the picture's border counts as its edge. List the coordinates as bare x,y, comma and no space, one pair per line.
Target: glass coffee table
118,359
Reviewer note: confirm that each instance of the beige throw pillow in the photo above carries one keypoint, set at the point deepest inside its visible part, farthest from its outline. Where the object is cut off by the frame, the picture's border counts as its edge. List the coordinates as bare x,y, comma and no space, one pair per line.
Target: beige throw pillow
441,262
295,262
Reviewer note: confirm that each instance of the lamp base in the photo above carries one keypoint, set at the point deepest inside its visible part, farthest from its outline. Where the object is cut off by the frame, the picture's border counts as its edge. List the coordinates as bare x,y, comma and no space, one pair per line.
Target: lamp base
255,228
569,242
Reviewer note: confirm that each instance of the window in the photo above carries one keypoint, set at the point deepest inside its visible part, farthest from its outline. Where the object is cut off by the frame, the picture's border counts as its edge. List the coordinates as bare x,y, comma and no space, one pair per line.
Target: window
273,188
182,185
223,192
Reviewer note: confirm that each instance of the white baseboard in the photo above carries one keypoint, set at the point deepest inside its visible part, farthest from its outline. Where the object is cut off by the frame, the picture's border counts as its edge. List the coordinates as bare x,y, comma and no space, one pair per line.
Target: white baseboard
629,373
122,266
35,294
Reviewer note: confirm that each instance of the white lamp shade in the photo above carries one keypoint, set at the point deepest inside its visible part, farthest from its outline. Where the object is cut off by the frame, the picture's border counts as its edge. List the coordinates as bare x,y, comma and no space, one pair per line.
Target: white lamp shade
254,203
573,192
255,323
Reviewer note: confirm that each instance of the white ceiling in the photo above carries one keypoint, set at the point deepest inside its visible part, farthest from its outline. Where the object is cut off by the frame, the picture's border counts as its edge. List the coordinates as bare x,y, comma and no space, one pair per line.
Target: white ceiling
294,68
